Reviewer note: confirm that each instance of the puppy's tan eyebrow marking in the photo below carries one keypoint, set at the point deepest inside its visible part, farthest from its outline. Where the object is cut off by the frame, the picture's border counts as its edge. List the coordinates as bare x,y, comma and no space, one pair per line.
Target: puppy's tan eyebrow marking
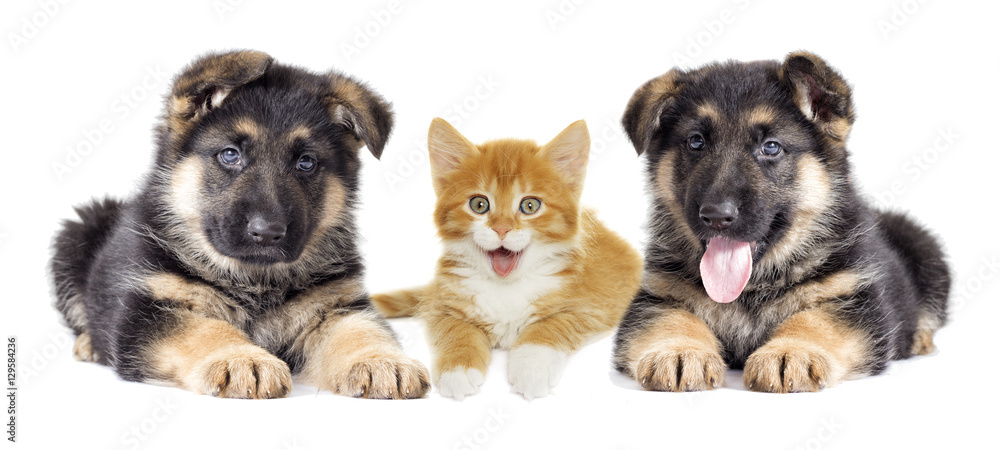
709,111
248,127
761,115
298,132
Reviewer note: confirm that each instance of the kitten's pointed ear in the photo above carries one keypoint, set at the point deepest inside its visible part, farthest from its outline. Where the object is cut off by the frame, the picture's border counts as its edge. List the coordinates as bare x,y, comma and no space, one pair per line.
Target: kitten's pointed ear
447,148
820,92
570,151
647,106
207,81
362,111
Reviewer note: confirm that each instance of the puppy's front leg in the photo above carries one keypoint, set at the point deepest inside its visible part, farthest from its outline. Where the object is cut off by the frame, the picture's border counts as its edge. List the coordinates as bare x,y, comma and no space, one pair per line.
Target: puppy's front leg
811,350
210,356
356,354
667,348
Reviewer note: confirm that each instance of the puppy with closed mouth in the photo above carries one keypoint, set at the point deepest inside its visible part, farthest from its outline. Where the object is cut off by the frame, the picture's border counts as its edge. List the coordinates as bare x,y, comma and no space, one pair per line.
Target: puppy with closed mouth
762,255
236,264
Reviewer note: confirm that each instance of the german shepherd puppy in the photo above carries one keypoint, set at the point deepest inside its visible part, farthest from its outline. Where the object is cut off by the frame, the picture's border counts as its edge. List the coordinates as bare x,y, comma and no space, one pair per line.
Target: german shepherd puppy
236,264
762,255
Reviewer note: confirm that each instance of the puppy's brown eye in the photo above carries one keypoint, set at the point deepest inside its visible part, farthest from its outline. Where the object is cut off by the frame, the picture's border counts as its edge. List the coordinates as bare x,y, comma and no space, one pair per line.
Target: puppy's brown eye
696,142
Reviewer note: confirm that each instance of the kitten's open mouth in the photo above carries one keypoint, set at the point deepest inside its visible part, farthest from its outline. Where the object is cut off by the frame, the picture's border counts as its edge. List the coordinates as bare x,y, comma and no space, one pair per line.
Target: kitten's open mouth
504,261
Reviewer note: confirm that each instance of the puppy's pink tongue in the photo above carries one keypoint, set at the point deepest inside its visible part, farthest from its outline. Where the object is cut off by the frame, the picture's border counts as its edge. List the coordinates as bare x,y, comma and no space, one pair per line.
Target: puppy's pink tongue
725,268
503,261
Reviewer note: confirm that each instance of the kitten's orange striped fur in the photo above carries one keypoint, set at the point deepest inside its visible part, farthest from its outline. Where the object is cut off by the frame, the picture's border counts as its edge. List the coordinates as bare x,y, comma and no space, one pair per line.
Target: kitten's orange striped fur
539,281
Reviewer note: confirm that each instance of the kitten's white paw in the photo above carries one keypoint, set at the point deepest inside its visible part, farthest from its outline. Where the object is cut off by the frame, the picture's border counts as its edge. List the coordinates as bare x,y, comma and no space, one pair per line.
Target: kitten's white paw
460,382
533,370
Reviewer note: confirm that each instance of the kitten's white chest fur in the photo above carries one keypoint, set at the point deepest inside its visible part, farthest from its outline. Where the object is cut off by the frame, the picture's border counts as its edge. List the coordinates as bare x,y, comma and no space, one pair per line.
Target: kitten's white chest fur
508,304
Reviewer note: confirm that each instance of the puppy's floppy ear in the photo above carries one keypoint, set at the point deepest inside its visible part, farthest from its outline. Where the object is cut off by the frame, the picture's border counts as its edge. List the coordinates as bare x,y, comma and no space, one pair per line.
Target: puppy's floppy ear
206,82
820,92
366,114
642,115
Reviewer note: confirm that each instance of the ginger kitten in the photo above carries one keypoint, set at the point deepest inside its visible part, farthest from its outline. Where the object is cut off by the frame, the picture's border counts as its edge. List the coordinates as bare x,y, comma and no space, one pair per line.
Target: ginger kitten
524,268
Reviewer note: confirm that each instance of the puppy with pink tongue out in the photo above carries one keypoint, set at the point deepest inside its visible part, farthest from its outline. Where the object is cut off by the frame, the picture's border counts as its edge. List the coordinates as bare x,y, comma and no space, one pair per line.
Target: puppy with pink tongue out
762,256
725,268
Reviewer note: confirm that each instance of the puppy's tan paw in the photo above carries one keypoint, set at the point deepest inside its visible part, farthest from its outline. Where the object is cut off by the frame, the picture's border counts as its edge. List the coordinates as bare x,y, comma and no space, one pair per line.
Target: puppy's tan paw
244,372
384,377
83,350
789,368
680,369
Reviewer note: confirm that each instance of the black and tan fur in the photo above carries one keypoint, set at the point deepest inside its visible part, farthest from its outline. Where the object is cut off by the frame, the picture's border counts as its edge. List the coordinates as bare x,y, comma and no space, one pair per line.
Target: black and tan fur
837,290
225,279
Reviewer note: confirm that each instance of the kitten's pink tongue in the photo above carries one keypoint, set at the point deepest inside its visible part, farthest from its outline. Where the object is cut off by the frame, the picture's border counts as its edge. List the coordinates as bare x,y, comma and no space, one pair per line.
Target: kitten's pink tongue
504,261
725,268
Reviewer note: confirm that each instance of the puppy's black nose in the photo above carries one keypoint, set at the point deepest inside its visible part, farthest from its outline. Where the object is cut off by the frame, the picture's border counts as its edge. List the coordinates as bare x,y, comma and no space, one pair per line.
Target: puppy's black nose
718,216
265,232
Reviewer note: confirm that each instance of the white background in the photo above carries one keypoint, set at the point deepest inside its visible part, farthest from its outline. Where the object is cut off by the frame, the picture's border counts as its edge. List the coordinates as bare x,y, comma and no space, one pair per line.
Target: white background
521,69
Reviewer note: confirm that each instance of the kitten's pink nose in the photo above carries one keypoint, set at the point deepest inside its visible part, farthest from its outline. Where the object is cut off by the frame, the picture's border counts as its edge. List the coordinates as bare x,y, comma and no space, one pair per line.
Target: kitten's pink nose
501,231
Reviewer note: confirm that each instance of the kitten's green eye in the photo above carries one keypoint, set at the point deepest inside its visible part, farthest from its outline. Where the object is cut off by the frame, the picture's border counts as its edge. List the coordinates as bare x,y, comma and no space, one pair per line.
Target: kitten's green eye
530,205
479,204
